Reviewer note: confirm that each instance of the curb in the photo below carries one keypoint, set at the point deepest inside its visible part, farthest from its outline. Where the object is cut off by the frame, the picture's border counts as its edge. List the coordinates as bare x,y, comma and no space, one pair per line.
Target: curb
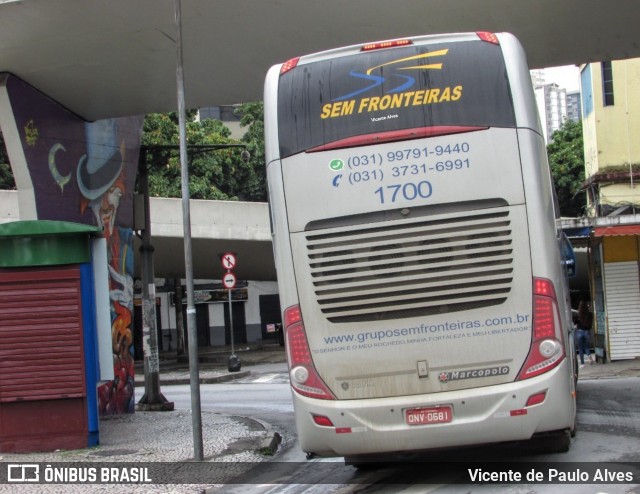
203,380
614,375
270,442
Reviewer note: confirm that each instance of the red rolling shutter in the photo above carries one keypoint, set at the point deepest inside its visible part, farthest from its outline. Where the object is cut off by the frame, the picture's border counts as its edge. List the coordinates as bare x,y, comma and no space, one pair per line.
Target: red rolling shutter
41,355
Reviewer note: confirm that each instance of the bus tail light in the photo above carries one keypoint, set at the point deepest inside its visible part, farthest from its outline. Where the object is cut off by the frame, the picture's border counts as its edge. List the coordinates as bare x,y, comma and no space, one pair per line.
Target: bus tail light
547,345
304,376
288,65
322,420
536,399
381,45
533,400
488,37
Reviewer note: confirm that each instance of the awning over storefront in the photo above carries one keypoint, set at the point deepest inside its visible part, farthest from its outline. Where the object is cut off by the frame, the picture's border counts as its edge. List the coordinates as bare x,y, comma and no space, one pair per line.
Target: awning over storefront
579,237
577,232
609,231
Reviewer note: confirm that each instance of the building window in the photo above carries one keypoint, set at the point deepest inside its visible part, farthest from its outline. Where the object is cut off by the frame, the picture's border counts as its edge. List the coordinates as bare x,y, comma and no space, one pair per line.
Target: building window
607,83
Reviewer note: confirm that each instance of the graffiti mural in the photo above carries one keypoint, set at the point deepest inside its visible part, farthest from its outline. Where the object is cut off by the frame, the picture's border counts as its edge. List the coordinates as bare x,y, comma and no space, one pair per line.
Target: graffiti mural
101,179
85,172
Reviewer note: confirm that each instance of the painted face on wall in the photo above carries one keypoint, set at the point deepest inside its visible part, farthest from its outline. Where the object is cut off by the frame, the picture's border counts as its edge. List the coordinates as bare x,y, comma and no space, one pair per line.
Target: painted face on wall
106,208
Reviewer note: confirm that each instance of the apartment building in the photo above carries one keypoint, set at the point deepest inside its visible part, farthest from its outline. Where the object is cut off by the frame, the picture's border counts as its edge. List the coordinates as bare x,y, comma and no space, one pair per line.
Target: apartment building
611,129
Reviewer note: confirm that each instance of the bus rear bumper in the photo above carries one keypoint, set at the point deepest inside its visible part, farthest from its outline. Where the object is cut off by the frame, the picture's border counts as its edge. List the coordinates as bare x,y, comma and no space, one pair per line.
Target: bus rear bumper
485,415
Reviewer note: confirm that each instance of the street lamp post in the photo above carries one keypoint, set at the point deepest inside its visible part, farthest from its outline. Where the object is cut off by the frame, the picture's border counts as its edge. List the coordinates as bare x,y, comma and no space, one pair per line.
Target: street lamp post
153,399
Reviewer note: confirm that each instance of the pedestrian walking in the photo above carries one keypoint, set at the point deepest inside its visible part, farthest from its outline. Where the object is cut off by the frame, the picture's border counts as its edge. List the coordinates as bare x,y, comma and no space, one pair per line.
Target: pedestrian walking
583,332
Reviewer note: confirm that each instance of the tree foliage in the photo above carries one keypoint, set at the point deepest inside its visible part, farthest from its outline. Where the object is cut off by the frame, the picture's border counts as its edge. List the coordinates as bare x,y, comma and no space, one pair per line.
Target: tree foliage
254,185
213,174
566,158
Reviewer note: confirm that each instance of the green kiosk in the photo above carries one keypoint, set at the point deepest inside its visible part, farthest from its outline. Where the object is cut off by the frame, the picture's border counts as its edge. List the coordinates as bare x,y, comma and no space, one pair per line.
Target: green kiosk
54,326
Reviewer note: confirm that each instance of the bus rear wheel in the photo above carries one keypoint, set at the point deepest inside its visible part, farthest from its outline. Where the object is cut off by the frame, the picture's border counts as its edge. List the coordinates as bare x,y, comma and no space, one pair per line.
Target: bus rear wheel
554,442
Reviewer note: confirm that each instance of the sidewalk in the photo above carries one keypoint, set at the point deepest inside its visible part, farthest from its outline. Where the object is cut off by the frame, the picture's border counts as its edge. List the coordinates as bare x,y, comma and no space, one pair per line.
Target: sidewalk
213,364
153,437
619,368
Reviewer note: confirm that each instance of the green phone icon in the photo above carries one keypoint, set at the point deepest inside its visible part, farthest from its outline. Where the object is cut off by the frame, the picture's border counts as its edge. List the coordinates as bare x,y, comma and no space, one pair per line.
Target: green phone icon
336,165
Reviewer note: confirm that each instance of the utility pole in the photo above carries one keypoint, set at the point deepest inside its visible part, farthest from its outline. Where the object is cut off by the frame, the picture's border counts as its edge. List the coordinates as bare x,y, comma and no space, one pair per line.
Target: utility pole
194,374
192,335
152,400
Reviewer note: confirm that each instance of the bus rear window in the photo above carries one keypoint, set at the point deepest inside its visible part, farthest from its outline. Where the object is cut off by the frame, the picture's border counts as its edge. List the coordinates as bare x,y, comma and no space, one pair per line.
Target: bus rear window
436,85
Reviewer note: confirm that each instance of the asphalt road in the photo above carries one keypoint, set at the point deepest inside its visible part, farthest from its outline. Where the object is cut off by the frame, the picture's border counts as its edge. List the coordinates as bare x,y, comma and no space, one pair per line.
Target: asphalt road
608,432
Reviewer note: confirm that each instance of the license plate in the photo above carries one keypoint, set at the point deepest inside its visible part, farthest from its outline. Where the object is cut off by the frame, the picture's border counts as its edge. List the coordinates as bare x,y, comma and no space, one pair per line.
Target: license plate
429,415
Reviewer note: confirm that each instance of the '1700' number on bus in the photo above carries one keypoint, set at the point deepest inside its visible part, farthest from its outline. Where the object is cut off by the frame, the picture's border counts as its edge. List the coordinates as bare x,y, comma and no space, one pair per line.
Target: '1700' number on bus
408,192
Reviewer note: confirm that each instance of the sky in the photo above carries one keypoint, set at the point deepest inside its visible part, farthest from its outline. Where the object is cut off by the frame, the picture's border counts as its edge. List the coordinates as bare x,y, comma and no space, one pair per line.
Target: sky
567,76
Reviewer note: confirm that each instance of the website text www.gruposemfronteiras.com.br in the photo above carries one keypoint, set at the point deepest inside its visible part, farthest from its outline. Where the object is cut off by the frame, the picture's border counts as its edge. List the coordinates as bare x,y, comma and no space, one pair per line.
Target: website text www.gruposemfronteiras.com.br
424,333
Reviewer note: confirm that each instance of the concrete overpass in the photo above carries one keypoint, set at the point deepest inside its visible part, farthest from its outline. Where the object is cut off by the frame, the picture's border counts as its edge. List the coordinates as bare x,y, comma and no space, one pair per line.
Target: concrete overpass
216,227
117,58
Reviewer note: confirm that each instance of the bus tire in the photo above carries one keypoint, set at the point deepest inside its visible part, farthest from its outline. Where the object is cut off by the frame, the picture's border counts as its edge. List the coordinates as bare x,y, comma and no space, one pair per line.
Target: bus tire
559,442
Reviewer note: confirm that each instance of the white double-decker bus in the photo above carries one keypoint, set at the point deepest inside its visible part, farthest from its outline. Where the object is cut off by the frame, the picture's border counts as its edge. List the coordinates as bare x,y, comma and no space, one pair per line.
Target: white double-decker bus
418,258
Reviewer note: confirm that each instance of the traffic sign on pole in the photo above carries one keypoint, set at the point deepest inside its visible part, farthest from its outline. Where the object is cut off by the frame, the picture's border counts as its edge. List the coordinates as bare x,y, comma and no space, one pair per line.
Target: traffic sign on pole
228,260
229,281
